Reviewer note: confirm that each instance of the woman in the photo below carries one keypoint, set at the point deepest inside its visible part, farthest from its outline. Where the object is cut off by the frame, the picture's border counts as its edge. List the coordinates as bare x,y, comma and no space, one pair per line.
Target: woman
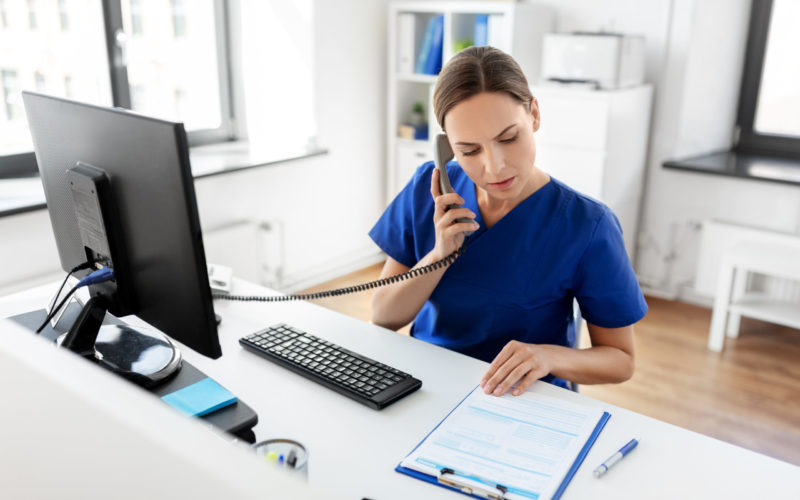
537,244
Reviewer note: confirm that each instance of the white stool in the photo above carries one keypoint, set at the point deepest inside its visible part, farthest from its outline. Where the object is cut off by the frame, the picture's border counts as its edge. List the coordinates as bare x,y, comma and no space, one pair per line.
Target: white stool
731,301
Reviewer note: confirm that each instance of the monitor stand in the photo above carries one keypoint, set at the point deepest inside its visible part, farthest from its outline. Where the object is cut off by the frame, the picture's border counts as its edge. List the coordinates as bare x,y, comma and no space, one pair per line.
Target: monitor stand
237,419
141,355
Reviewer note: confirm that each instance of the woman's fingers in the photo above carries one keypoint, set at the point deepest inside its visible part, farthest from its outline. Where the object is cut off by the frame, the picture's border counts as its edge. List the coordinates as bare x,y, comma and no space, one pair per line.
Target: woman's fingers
505,353
452,215
517,364
449,232
457,230
494,382
435,189
516,374
527,381
441,203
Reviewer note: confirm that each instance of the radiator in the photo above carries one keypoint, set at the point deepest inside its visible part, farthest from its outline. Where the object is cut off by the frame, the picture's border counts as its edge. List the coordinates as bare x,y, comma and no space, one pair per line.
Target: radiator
718,236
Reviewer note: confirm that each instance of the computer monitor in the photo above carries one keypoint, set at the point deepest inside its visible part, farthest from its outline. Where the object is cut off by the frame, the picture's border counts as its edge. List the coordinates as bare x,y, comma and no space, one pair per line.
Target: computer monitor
145,196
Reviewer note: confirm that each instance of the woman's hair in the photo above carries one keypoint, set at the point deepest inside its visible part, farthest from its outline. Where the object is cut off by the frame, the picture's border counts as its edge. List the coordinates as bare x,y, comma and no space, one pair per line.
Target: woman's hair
475,70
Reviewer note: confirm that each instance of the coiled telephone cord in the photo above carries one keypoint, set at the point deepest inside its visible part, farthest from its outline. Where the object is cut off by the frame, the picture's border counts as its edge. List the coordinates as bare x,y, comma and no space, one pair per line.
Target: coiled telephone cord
389,280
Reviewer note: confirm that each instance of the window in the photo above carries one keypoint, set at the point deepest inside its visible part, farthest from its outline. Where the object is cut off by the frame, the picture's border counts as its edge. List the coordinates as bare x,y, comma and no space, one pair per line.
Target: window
106,57
62,15
3,14
32,14
178,18
135,7
11,103
181,104
69,89
769,107
138,97
195,63
49,55
39,80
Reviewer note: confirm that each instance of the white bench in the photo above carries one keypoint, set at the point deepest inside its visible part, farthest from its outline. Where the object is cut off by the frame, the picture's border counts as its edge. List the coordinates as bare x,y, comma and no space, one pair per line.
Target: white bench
731,300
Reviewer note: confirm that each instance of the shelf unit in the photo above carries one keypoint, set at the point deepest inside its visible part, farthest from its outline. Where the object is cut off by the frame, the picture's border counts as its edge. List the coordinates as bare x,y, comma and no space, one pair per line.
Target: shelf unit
514,27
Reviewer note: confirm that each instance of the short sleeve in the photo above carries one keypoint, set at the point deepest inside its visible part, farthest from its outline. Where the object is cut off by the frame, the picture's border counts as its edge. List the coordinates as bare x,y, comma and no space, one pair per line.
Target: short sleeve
394,231
605,285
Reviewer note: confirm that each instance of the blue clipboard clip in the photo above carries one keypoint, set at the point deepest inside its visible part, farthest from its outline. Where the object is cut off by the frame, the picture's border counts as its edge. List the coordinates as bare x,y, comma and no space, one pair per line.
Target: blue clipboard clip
444,478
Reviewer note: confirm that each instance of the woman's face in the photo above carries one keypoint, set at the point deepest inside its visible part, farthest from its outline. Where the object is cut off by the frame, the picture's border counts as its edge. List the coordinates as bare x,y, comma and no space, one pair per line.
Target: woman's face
491,134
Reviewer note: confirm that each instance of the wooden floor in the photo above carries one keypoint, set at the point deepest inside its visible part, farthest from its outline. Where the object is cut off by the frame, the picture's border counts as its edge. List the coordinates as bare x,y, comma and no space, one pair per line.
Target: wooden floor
748,395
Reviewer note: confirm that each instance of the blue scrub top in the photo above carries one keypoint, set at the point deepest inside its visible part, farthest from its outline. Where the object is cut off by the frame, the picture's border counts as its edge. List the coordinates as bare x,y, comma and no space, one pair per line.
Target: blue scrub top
517,279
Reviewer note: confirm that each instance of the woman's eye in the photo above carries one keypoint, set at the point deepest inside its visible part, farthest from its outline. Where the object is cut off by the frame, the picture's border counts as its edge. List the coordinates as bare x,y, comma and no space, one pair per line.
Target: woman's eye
469,153
511,139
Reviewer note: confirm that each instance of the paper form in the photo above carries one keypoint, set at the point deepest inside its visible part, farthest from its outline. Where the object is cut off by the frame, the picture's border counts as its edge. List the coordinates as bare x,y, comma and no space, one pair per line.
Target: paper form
526,443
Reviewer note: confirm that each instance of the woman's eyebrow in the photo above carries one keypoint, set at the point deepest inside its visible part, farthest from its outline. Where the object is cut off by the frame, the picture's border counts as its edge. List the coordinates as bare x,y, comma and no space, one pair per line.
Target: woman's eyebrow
461,143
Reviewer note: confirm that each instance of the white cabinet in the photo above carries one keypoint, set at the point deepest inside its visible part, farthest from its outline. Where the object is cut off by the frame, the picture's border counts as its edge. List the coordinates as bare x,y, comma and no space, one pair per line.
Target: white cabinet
514,27
408,156
596,142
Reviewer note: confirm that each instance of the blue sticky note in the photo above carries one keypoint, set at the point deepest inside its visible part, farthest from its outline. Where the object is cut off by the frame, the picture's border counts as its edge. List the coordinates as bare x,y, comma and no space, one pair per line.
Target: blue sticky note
200,398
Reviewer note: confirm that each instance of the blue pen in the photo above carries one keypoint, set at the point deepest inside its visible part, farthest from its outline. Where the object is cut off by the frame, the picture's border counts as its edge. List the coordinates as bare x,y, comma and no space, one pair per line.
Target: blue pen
616,457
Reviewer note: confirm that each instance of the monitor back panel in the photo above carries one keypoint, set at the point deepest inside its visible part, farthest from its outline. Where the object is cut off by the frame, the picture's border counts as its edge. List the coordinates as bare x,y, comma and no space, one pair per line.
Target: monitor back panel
148,165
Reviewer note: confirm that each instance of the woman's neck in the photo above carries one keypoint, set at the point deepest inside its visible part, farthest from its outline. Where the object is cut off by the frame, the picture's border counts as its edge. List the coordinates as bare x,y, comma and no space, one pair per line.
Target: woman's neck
494,209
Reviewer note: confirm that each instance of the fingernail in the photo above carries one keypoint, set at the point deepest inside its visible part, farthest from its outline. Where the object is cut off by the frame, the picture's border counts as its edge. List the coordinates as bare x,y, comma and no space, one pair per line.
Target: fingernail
498,392
487,389
517,392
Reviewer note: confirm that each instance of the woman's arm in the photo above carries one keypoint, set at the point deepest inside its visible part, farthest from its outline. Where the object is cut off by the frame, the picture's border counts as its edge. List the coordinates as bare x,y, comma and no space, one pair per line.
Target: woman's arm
396,305
609,360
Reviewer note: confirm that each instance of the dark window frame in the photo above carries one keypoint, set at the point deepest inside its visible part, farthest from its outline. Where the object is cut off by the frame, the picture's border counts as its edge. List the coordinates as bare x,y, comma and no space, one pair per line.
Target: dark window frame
748,139
24,164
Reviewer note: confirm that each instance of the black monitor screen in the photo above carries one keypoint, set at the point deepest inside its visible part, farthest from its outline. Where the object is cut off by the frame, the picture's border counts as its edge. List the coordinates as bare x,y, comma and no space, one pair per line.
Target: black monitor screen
146,160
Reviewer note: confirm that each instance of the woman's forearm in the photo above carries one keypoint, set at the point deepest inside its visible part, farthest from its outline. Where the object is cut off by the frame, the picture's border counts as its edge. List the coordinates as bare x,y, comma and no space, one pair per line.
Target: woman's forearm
396,305
595,365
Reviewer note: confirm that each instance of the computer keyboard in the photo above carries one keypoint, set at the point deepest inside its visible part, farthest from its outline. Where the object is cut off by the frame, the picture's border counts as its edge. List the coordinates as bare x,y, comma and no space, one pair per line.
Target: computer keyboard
358,377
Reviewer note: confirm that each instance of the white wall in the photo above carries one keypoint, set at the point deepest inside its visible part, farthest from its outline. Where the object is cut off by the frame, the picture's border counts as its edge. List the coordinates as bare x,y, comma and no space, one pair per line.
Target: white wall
326,205
695,114
28,253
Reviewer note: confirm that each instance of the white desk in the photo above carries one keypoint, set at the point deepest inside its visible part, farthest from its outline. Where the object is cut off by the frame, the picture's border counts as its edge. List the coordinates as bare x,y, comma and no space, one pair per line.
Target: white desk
353,450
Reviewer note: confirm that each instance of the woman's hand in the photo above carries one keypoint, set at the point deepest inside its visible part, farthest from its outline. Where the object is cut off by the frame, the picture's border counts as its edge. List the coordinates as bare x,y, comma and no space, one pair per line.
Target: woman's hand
449,235
517,362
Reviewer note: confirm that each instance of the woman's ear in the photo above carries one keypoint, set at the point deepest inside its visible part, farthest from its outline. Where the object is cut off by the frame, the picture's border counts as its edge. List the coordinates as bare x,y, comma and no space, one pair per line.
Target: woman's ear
535,116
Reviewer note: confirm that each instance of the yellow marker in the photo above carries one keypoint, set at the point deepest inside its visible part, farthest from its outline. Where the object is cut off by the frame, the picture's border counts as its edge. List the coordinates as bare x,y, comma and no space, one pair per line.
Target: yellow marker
272,456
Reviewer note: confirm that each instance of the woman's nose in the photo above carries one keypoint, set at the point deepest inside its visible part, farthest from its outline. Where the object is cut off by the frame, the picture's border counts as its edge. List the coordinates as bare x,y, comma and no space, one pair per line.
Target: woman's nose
494,161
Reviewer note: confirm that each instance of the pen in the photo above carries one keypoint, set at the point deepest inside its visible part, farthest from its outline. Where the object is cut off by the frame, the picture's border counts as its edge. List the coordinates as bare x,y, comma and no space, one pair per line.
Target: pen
616,457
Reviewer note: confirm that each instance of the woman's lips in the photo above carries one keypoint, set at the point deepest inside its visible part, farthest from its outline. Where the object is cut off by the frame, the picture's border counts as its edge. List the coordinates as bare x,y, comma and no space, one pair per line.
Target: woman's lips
503,184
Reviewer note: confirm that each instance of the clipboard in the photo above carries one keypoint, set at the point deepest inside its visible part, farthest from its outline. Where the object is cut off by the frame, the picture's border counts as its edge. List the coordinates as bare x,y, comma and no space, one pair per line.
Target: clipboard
449,477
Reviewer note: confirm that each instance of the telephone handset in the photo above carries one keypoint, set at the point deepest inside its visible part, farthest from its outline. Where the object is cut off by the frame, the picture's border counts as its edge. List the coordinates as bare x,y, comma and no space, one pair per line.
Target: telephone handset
442,153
